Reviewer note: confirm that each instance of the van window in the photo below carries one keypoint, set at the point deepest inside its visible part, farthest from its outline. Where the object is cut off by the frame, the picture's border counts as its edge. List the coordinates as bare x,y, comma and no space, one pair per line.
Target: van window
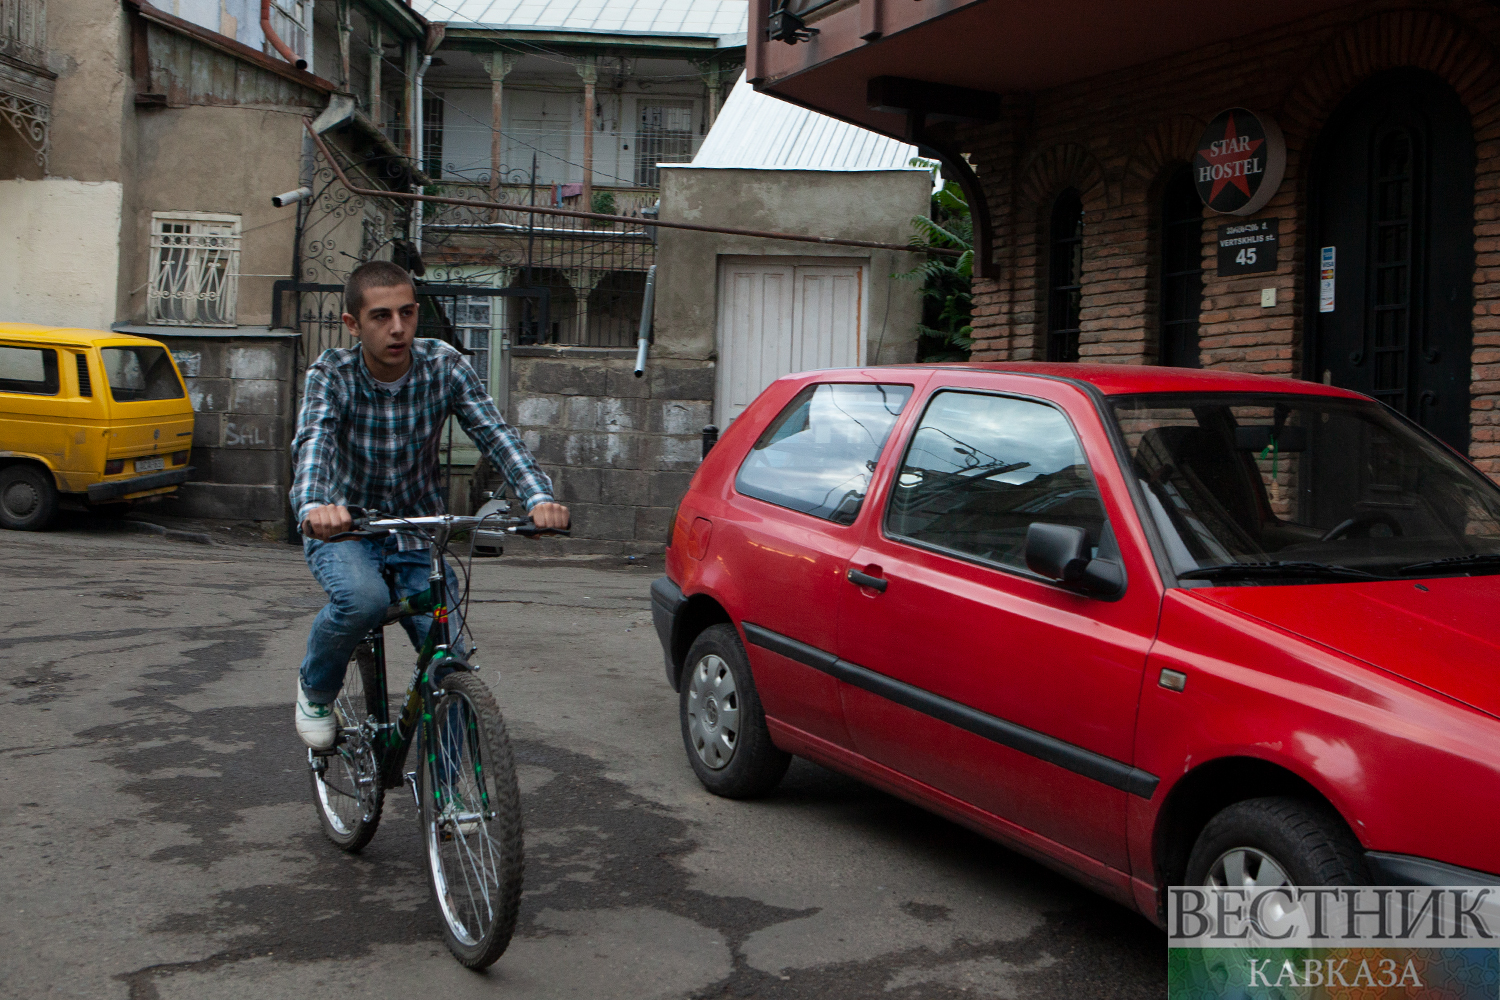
818,454
137,373
28,369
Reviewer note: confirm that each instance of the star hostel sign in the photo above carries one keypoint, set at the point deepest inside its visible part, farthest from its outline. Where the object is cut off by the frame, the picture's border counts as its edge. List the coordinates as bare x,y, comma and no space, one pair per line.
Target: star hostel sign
1240,162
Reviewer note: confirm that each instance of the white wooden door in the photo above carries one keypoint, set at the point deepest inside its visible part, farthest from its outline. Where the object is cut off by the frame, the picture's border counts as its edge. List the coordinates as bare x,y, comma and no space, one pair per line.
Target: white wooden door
777,316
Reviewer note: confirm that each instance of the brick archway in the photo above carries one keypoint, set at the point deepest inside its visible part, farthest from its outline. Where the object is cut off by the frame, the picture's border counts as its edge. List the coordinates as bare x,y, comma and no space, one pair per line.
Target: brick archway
1458,54
1419,39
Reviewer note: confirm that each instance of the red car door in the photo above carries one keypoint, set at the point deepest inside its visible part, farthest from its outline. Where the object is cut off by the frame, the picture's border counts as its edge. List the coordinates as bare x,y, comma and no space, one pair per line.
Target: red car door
967,672
791,531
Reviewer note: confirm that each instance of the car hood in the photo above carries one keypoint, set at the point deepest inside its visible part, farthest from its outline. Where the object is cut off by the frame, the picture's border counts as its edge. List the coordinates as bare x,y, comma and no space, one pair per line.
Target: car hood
1443,634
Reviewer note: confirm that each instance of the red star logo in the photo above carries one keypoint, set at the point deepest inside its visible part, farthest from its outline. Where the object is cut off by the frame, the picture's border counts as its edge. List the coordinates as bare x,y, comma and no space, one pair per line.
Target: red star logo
1231,152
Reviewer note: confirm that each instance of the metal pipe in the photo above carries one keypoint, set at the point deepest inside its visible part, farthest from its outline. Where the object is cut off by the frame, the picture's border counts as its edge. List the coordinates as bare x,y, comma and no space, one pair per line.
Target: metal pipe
656,224
419,148
644,334
275,39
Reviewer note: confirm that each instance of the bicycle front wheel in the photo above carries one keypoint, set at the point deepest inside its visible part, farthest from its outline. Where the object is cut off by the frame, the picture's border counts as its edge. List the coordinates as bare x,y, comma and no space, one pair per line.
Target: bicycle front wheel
347,789
471,820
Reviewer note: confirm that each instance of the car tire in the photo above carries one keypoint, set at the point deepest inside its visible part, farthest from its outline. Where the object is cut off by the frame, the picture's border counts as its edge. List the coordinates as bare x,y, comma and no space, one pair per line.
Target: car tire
1308,843
723,725
28,498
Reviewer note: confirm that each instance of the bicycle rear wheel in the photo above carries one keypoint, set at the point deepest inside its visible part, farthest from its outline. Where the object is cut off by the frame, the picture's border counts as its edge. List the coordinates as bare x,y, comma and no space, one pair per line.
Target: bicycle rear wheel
471,821
347,789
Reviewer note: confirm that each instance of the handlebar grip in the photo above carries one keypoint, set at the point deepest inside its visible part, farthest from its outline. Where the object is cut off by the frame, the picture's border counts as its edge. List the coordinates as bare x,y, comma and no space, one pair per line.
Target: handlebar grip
532,531
357,534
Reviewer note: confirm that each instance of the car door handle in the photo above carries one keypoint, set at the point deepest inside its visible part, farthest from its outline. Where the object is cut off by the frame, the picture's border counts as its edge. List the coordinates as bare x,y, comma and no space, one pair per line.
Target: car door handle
866,580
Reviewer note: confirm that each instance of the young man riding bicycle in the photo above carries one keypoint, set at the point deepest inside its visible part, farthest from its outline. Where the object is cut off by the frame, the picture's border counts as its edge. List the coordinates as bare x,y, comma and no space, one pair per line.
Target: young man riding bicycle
368,436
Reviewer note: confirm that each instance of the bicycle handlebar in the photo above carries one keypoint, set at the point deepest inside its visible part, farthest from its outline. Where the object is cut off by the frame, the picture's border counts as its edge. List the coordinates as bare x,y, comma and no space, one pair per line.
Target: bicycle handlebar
371,524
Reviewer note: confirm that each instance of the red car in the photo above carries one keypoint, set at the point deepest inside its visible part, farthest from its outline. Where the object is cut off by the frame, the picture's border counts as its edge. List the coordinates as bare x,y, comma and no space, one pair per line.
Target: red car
1149,626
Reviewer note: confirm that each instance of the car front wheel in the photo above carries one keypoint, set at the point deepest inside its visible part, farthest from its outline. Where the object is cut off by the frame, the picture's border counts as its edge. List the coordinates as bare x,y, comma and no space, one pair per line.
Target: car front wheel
1275,841
723,726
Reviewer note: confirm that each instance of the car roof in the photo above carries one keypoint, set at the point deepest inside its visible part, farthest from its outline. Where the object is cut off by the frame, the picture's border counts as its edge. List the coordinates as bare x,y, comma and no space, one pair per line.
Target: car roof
1117,380
69,335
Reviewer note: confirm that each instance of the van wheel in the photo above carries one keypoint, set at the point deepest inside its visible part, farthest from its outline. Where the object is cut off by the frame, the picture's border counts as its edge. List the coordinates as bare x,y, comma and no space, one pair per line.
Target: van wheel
723,725
1276,841
28,498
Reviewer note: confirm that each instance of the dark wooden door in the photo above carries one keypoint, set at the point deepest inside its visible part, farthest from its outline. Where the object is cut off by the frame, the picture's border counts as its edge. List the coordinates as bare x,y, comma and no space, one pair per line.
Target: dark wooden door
1393,194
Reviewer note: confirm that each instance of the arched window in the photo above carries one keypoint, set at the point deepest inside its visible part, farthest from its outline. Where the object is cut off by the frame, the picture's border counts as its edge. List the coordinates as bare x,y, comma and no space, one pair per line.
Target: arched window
1065,277
1181,271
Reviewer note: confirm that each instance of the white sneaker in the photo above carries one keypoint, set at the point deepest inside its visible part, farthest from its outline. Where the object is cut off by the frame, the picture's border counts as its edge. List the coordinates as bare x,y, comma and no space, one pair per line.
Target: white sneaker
315,723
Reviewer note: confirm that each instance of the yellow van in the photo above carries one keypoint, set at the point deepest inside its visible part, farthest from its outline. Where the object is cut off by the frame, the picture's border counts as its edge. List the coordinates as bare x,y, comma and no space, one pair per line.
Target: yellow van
87,416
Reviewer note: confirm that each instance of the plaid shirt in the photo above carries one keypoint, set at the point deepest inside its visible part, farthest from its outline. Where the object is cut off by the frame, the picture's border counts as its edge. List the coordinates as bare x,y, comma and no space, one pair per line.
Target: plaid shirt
359,444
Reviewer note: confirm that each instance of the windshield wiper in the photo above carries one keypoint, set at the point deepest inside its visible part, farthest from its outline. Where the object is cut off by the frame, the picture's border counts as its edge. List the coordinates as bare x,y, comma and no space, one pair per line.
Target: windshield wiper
1474,560
1247,570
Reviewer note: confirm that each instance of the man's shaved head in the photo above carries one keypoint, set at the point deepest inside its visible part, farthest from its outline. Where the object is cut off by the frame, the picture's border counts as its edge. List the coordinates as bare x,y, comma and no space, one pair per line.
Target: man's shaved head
372,274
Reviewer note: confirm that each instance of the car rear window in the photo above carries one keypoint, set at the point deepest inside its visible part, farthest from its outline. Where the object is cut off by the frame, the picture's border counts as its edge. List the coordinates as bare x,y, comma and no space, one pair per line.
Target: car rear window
819,452
137,373
31,370
981,469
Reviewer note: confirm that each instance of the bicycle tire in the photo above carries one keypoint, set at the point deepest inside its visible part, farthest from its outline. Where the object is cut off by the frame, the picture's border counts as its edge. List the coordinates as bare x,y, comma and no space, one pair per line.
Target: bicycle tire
348,793
471,849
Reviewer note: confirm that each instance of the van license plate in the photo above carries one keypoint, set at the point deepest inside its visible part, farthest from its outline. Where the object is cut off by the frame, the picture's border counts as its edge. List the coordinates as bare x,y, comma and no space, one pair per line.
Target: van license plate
150,464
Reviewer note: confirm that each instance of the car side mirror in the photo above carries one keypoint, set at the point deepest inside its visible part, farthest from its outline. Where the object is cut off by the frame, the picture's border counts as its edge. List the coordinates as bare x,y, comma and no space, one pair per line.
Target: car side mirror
1061,552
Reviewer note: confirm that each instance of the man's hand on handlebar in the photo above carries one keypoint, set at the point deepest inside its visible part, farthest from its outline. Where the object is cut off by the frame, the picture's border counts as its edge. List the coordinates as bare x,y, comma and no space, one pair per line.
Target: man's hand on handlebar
324,522
549,515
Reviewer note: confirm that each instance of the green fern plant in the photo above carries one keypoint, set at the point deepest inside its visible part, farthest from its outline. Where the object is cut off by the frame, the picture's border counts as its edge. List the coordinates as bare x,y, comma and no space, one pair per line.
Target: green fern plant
945,332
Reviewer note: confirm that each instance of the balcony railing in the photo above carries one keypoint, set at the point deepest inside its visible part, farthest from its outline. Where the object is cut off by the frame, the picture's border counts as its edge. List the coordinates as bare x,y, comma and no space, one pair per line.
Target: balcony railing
628,201
23,31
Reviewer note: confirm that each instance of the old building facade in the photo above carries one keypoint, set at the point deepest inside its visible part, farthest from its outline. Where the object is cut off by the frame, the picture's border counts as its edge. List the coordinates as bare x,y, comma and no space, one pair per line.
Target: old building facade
1085,148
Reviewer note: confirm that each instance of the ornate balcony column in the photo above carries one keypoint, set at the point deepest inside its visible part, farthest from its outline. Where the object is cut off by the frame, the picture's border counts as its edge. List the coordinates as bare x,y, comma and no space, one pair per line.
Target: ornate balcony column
498,65
588,69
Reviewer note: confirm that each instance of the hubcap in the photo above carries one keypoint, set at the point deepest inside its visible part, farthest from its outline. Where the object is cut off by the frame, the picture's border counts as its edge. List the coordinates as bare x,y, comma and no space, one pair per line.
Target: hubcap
1247,867
713,710
20,499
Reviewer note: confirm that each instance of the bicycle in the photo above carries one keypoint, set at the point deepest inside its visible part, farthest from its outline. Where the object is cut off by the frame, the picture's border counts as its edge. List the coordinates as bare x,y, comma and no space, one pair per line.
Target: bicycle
464,786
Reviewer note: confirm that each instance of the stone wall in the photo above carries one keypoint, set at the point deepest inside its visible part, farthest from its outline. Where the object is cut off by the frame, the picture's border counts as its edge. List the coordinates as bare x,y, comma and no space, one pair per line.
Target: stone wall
1114,138
620,450
240,386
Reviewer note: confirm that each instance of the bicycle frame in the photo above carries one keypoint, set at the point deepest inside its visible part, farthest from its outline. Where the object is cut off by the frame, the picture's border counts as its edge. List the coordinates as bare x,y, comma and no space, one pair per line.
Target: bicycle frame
392,741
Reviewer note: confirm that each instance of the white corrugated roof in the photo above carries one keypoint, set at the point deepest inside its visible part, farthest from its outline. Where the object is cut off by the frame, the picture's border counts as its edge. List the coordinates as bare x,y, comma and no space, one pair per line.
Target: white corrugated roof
759,132
649,17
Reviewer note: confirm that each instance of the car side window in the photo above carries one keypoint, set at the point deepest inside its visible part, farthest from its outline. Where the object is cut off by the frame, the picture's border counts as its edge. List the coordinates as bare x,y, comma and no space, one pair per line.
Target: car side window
32,370
981,469
818,454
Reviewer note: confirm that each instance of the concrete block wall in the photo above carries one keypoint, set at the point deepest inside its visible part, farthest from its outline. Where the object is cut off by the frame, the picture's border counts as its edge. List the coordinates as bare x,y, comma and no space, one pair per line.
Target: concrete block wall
241,390
620,450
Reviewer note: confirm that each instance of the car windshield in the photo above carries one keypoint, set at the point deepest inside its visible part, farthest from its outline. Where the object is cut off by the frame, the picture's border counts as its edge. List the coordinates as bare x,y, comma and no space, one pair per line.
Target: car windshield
1314,488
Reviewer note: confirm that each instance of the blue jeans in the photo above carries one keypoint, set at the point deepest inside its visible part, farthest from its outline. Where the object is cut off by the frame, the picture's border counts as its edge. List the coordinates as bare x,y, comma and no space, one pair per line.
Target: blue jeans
350,572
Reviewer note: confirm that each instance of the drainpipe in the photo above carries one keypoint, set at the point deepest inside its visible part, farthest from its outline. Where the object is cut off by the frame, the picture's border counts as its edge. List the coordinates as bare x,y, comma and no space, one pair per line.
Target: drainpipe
275,39
434,38
419,147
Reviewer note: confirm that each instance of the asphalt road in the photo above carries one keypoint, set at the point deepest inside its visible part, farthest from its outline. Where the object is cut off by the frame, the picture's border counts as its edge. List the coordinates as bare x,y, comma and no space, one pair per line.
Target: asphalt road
157,838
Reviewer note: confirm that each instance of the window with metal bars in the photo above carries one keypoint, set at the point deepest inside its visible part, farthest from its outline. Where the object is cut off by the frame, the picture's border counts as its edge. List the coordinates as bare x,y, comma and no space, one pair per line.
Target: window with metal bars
664,135
1181,271
195,269
1065,276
